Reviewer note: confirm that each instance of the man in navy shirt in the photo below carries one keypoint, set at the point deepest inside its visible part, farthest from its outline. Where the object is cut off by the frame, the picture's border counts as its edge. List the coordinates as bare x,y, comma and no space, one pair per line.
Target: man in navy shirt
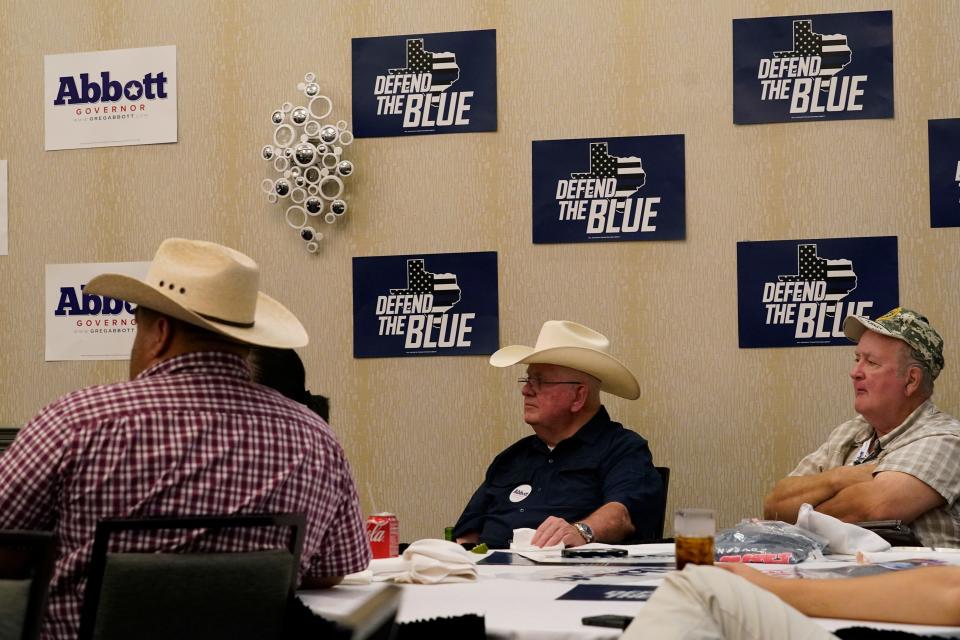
581,477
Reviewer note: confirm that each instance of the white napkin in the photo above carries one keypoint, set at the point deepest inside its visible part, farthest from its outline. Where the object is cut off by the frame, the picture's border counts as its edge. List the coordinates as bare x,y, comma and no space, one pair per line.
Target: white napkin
522,542
360,577
427,562
843,536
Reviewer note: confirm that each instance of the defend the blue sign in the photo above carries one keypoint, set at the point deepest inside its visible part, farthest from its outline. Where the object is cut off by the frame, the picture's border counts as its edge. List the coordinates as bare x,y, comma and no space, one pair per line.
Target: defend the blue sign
425,83
425,304
836,66
797,293
609,189
944,141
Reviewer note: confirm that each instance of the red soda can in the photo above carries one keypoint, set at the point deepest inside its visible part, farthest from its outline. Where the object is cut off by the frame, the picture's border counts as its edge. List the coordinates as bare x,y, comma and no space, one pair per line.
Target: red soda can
383,530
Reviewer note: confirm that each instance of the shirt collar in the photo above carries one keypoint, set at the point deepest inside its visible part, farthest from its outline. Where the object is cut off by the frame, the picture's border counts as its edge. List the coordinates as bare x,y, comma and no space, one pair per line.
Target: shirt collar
868,431
588,433
209,362
594,426
906,424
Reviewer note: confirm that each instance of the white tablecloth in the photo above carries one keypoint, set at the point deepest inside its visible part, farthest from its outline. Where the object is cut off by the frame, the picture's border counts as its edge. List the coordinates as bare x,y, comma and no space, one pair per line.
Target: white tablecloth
521,603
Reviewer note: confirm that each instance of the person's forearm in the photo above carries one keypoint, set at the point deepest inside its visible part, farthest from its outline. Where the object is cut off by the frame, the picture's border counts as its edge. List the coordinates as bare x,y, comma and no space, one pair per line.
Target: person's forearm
469,536
783,503
610,523
853,504
889,496
919,596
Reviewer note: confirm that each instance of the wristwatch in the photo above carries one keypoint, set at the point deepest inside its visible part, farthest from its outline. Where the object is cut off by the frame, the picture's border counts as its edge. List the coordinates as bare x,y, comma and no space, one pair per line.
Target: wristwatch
584,530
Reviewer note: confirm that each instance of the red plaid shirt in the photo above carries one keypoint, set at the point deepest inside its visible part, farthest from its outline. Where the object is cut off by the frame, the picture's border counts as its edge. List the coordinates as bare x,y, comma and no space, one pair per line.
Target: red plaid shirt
190,435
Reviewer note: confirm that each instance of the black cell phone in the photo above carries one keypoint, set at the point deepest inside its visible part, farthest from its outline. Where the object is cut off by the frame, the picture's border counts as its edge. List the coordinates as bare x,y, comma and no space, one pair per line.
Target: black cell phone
608,620
594,553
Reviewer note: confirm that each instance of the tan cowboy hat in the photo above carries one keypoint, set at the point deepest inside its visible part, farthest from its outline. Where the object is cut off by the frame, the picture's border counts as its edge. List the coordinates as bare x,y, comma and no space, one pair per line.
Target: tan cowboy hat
210,286
573,345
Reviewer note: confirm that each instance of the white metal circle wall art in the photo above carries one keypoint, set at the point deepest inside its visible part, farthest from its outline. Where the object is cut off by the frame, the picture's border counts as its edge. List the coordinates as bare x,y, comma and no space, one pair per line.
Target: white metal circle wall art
307,154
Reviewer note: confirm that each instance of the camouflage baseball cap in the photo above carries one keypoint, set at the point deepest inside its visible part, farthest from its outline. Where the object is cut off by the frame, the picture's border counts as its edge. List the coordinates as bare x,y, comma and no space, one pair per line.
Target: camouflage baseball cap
902,324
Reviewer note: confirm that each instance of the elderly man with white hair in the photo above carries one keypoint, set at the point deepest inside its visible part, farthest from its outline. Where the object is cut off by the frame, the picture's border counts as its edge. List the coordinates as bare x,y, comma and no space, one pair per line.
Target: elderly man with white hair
897,459
581,477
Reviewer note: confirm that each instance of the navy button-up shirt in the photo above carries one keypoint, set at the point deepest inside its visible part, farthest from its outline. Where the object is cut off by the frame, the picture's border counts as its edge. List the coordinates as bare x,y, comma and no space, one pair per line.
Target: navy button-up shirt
600,463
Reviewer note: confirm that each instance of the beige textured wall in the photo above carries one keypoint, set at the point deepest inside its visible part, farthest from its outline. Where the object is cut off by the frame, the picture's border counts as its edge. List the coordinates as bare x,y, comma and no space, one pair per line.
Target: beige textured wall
420,431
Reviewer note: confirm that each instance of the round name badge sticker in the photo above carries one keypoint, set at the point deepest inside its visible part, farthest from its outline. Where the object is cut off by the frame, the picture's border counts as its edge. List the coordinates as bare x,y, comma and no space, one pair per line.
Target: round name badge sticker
520,493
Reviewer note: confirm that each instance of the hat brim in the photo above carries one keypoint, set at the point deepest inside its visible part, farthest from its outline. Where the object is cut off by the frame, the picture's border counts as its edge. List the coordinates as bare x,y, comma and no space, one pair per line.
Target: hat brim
273,325
614,377
855,326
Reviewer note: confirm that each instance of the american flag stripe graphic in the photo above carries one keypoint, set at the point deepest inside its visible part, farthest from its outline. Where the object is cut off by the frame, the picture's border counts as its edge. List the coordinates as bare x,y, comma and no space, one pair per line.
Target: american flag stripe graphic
627,170
446,292
835,44
444,71
442,286
835,54
630,176
441,65
833,50
840,280
838,274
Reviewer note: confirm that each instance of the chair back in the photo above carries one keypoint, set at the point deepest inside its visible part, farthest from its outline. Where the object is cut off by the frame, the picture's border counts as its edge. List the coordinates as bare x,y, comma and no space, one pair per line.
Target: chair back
665,478
190,595
7,435
27,559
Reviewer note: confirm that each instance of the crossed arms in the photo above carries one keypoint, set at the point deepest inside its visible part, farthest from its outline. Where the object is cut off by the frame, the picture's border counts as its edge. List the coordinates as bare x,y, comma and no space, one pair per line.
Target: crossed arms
853,494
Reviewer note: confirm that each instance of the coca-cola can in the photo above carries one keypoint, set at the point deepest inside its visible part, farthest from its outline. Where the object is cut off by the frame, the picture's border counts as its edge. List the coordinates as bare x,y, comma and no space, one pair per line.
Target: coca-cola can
383,531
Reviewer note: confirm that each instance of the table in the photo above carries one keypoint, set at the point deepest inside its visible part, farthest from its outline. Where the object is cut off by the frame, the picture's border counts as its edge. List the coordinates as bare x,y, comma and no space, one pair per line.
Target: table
520,603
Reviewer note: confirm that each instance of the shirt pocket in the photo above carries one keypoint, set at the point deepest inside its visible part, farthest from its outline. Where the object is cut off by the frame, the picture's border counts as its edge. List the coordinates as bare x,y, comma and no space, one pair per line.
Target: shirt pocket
511,489
576,486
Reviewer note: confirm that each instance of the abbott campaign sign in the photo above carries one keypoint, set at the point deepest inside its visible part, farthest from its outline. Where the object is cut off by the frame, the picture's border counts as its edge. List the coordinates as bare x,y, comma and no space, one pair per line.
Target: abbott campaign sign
424,84
609,189
797,293
110,98
836,66
425,305
80,326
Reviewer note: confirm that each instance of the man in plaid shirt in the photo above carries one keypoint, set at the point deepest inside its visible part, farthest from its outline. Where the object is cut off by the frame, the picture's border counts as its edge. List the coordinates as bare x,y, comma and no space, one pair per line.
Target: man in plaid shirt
897,459
189,433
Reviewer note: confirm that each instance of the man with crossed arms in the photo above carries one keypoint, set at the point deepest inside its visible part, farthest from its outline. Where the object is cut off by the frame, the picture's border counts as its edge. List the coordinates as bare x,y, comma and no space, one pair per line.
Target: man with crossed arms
897,460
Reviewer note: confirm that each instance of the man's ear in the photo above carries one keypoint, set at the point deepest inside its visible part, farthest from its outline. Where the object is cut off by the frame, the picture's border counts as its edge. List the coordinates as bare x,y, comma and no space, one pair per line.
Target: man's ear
163,332
580,398
914,380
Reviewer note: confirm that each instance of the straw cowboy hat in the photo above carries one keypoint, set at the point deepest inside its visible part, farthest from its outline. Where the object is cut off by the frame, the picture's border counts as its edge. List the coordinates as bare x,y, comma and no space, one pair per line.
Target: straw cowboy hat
573,345
210,286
